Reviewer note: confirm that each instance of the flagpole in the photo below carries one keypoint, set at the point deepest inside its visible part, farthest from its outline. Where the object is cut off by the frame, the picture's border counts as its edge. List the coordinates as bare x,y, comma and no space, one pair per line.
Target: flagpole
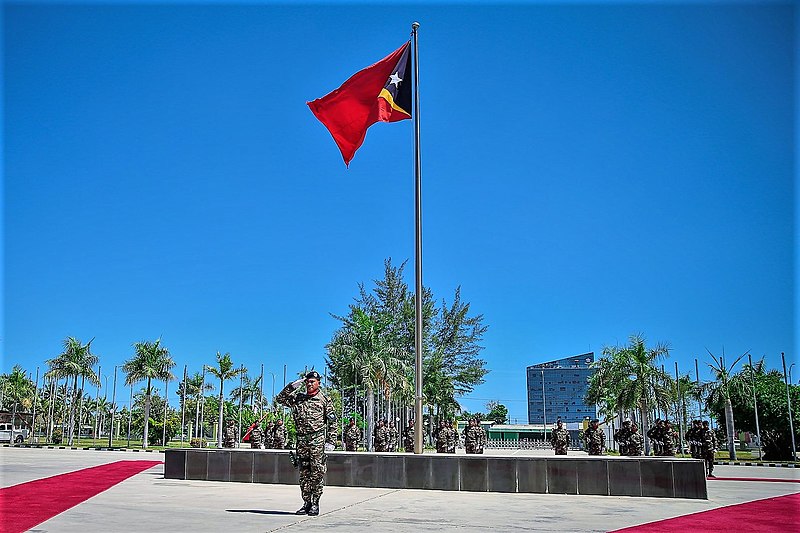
418,448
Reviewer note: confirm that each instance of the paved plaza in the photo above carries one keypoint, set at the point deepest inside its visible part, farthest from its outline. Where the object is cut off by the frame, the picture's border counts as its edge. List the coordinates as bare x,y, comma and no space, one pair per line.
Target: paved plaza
148,502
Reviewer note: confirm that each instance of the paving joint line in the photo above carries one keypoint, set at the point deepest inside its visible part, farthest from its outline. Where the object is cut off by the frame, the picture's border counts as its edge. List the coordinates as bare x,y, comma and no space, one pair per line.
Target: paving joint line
334,510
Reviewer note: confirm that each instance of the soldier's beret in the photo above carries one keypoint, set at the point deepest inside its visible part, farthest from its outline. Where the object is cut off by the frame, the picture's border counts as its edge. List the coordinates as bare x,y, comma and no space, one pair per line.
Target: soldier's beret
313,374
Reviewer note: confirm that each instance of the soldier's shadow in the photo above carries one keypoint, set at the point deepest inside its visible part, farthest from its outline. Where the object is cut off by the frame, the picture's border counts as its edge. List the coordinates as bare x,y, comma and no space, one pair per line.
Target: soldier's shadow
257,511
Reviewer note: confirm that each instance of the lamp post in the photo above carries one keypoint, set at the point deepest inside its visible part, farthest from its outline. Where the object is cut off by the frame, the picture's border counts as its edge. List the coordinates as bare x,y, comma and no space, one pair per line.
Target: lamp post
789,405
544,410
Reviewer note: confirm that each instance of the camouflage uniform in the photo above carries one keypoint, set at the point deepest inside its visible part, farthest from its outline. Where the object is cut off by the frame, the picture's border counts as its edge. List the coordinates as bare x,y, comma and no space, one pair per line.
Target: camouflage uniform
268,435
473,438
279,435
256,437
708,440
352,436
635,442
408,438
394,436
452,439
229,435
622,437
481,438
693,438
559,440
595,439
670,439
315,423
442,438
656,436
381,434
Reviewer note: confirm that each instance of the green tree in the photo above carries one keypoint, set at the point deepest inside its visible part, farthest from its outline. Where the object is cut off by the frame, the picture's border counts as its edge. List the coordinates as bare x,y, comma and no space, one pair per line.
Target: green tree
223,372
498,412
18,391
719,391
630,375
150,361
76,361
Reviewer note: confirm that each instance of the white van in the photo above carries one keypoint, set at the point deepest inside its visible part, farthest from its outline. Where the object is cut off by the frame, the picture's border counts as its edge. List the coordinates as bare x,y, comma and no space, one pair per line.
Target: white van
11,434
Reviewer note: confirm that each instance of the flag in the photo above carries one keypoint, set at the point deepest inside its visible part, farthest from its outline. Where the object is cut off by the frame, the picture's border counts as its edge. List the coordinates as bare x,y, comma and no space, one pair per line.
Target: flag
379,93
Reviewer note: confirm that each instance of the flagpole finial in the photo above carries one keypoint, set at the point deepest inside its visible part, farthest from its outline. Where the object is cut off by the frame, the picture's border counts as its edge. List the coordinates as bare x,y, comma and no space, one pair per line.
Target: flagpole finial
414,25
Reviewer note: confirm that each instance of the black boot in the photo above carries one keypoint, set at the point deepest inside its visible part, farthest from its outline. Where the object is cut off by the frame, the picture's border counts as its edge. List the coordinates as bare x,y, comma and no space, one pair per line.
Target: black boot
305,508
314,510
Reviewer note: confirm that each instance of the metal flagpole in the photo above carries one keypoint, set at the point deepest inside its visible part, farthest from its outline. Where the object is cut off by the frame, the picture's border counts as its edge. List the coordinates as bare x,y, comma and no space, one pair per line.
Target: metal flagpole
789,405
544,410
241,397
418,253
678,407
166,404
183,403
130,416
35,400
96,405
113,409
755,403
261,400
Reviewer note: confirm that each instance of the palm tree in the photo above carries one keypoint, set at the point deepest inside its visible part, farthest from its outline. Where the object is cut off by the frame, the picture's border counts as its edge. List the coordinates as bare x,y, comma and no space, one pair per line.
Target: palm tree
223,372
720,391
360,353
631,374
150,361
248,392
18,391
196,387
76,361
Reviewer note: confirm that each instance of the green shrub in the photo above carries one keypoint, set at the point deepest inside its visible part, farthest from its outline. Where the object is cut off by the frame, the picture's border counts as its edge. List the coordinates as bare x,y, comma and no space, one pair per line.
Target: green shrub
197,443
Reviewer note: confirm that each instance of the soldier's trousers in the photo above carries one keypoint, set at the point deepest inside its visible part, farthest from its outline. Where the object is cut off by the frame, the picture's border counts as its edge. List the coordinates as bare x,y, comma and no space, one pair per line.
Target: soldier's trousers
350,446
561,450
709,458
311,462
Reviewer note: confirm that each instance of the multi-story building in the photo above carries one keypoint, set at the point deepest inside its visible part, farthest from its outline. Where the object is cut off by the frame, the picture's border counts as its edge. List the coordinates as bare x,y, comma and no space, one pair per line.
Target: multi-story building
558,389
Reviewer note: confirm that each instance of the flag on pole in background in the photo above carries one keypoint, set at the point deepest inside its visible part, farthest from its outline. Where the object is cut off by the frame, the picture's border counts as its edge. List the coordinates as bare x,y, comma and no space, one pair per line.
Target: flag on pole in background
379,93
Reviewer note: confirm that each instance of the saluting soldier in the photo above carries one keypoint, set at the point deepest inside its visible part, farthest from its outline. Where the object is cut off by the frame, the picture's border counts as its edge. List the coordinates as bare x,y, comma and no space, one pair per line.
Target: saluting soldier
594,438
352,436
559,438
315,423
279,435
408,437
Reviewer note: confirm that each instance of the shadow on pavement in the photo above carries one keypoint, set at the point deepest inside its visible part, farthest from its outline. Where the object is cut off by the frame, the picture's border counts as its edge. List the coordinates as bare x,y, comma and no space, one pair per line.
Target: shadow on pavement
257,511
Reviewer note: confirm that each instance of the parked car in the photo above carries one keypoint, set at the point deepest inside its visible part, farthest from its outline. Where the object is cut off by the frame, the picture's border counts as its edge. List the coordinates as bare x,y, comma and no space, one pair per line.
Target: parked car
8,433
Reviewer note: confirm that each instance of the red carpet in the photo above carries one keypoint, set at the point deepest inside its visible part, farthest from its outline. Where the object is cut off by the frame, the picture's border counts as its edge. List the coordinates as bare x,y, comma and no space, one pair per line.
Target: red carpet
27,504
777,515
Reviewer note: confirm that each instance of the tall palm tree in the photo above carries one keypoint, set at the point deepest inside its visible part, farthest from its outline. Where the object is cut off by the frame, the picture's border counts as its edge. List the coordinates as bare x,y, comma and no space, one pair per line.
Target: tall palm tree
76,361
196,387
633,376
249,392
720,391
151,361
361,354
223,372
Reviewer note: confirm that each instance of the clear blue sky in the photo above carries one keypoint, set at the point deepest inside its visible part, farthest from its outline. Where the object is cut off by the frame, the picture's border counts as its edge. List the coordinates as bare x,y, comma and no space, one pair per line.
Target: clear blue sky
589,171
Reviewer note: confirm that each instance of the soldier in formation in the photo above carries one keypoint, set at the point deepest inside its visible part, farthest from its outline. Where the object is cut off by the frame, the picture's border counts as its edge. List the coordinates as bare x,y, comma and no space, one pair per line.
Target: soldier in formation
670,439
442,438
594,438
408,437
279,435
394,436
474,437
268,429
622,437
352,436
559,438
256,436
708,445
452,436
381,436
656,435
635,442
693,438
229,435
315,423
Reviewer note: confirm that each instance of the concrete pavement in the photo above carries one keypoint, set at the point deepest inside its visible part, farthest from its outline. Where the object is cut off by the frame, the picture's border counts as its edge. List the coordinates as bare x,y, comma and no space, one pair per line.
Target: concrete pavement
148,502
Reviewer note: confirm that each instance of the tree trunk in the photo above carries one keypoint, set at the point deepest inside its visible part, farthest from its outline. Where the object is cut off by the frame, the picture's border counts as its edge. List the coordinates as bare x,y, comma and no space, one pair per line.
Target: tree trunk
219,425
729,430
370,418
146,415
72,411
643,428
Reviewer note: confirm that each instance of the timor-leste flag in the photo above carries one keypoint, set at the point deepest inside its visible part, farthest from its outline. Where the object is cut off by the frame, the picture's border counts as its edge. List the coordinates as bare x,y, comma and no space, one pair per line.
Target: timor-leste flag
379,93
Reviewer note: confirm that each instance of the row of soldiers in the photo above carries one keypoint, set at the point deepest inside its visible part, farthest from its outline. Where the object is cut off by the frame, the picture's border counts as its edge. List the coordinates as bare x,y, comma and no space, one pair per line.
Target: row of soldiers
271,436
386,437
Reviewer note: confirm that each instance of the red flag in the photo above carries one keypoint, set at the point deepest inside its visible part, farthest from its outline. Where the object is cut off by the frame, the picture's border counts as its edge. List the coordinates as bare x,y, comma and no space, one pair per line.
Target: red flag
379,93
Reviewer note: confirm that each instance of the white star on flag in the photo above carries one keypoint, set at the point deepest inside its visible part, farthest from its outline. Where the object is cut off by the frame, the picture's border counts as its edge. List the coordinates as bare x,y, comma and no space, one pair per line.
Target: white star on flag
394,78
